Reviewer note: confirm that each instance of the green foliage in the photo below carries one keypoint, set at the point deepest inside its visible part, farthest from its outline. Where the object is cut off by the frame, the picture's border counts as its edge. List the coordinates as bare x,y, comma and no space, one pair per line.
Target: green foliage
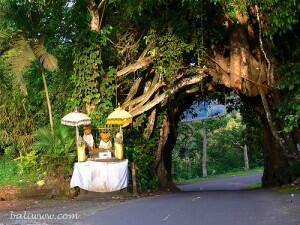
143,153
168,50
52,154
55,151
226,146
16,125
187,167
28,164
282,15
226,138
289,107
9,153
279,16
93,83
8,172
231,7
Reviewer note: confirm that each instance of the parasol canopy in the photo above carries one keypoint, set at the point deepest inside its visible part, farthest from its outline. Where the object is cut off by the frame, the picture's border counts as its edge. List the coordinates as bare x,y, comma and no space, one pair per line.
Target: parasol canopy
76,119
119,117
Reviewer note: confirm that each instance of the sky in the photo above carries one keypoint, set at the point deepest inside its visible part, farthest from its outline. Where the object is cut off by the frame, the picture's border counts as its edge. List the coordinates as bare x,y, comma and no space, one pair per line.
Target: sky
204,109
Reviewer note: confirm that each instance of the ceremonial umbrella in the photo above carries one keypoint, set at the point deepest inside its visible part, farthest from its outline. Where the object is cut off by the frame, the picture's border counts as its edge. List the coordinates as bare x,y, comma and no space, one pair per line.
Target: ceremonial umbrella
119,117
76,119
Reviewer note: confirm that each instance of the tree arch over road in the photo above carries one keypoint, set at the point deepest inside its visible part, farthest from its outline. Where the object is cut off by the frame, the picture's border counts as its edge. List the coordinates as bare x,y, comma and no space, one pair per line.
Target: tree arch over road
242,61
162,55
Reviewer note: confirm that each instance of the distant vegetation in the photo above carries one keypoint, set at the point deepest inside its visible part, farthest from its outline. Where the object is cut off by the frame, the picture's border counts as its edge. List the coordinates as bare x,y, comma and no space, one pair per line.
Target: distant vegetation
226,139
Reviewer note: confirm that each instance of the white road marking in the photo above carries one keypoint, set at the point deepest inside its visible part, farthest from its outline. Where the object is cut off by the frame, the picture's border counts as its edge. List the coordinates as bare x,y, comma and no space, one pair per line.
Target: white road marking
166,218
194,199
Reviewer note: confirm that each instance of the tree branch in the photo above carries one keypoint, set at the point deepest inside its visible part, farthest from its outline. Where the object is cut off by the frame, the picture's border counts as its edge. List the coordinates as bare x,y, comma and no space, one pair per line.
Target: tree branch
164,97
139,64
101,10
265,103
150,125
261,44
143,98
133,90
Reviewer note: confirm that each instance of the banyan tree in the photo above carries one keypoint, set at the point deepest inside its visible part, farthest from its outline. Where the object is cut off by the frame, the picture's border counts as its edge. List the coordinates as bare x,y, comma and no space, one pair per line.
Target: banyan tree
156,57
174,52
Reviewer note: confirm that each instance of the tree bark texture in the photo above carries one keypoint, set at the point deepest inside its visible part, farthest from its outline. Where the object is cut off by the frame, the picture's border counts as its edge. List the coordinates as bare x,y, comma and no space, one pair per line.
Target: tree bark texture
246,160
204,152
161,170
96,12
48,103
279,167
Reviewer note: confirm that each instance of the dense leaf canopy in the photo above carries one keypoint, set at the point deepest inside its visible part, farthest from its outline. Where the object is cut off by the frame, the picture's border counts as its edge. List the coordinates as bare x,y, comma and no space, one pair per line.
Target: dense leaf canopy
150,56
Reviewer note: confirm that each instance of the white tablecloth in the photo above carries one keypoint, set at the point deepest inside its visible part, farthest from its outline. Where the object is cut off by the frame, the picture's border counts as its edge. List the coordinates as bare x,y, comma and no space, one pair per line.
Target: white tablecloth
100,176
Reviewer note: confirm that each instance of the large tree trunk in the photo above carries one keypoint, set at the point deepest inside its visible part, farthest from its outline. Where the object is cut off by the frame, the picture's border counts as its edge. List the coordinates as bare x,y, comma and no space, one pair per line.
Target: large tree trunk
160,161
164,153
275,163
279,167
167,141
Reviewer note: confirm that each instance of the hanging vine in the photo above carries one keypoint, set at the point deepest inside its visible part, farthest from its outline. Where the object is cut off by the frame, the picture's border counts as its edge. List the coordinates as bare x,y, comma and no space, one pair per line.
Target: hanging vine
94,81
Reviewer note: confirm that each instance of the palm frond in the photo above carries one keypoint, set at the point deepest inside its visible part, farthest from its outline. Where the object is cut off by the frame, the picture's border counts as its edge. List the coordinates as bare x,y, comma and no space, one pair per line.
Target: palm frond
19,58
22,53
47,60
44,140
4,35
7,37
4,10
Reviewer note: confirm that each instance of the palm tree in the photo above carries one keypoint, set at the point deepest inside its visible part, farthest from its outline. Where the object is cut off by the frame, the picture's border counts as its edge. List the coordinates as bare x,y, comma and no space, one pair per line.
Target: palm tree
21,53
23,25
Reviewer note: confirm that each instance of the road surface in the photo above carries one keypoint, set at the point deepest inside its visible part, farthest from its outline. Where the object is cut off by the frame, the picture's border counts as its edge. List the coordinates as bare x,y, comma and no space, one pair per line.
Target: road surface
215,202
226,201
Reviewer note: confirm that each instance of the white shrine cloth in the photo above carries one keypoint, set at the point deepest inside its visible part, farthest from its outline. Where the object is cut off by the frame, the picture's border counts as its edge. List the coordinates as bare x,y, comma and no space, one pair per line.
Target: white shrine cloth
100,176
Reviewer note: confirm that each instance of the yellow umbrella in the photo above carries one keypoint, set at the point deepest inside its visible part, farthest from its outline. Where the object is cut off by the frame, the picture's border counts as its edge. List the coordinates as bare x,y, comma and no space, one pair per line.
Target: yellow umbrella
119,117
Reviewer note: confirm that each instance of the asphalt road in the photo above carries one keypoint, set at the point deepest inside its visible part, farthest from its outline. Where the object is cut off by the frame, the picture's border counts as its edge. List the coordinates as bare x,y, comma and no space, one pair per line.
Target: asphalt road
222,184
216,202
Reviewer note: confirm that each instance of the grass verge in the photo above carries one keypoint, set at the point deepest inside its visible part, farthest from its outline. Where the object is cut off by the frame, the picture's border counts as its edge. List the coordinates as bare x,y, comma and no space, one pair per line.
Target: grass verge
255,186
288,189
9,174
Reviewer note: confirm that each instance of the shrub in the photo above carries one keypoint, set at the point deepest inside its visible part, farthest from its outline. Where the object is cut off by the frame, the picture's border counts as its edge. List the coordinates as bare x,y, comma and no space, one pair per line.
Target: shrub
28,164
9,152
55,151
52,154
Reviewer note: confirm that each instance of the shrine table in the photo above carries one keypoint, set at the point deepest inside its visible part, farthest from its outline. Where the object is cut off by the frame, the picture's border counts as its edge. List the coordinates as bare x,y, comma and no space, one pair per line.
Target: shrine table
100,176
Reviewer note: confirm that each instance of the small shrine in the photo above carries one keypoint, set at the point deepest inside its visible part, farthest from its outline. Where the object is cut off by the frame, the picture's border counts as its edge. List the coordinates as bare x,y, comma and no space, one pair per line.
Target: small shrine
101,166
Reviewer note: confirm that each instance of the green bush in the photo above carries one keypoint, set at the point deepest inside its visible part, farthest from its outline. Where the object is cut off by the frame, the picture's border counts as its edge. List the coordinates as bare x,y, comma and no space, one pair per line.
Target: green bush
9,152
28,164
144,164
56,152
226,138
187,167
52,154
143,153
